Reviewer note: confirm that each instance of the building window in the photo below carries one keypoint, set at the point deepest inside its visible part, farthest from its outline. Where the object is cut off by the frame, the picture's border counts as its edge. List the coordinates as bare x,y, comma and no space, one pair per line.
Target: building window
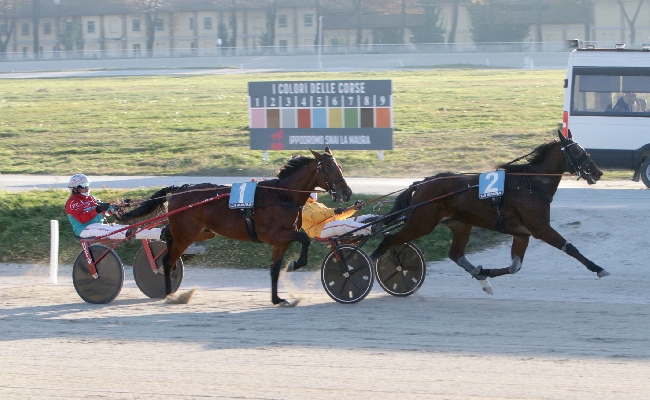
3,29
91,26
136,50
231,20
68,26
309,20
160,24
136,25
191,23
47,28
25,29
207,23
283,46
282,21
24,51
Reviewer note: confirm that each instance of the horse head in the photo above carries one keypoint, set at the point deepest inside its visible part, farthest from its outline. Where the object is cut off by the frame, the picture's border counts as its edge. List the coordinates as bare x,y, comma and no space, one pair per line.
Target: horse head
577,161
329,176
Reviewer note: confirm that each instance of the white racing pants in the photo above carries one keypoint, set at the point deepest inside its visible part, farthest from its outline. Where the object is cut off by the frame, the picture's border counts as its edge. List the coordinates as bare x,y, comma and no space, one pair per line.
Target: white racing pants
94,230
338,228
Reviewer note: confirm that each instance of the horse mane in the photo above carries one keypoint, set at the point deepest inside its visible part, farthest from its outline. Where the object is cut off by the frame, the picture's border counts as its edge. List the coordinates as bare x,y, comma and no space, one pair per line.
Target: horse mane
294,164
533,158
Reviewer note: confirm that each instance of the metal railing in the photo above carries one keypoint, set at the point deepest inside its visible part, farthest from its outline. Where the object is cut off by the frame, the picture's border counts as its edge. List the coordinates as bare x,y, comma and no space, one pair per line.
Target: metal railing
185,52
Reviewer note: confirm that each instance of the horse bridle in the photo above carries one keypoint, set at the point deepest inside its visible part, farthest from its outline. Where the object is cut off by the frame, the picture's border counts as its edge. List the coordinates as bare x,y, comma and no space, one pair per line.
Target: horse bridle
331,185
576,160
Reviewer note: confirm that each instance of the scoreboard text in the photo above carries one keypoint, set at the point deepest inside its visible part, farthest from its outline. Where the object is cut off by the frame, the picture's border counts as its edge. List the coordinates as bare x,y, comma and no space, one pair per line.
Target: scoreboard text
344,115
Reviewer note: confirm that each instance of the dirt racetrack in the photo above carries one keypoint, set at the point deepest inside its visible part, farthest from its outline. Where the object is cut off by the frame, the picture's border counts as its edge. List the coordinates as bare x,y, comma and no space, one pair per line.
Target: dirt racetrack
552,331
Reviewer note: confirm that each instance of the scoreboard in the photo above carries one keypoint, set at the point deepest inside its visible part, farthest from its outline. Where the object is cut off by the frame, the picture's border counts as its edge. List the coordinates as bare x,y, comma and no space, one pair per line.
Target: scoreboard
344,115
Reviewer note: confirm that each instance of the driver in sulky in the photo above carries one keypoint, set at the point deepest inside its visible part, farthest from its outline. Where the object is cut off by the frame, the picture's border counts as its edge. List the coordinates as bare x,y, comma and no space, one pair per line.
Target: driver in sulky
320,221
86,214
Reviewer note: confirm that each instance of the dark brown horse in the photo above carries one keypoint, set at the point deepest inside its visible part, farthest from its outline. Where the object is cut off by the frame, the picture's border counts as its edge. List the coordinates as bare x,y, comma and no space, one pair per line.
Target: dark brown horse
276,217
522,211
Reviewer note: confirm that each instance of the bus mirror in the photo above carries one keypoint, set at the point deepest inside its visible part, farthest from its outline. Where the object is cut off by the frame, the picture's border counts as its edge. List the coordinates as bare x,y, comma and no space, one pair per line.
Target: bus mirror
566,83
574,43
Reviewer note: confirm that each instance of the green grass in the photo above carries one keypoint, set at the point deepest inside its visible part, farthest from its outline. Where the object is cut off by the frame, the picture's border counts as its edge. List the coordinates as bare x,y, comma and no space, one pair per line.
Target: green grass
25,234
445,120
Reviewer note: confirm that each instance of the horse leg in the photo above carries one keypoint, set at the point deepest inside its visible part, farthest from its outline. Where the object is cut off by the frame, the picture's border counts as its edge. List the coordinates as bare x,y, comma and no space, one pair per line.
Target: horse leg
550,236
461,232
302,260
175,249
517,251
276,262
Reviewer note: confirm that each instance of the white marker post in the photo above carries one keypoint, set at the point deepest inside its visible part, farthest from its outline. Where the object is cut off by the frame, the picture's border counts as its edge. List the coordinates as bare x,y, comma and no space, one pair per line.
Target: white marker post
54,250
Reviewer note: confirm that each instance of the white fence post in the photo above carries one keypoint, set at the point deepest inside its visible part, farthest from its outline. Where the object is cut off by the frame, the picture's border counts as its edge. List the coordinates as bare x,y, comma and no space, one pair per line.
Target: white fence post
54,250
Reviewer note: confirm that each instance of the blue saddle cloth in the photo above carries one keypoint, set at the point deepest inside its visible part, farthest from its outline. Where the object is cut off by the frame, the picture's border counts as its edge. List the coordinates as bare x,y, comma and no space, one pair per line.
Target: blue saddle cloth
242,195
491,184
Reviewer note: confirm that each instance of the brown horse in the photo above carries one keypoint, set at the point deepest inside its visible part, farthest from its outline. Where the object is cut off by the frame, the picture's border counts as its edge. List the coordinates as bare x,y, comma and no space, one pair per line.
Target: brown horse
275,220
522,211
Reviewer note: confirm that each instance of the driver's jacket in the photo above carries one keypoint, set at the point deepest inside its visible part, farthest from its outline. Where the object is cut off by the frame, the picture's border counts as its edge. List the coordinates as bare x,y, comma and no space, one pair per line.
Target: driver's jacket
81,211
315,215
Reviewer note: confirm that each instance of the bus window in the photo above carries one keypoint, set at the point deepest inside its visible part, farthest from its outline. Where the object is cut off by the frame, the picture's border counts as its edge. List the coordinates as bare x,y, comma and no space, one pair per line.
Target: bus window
610,91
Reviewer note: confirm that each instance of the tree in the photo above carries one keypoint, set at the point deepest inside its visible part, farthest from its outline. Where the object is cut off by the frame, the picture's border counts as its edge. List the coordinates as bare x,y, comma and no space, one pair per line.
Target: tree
233,22
631,21
387,36
150,9
451,37
490,22
268,37
7,23
70,34
431,31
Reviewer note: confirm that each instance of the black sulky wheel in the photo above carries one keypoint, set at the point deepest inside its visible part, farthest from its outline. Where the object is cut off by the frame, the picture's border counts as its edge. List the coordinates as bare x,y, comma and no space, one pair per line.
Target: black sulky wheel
150,283
110,271
349,279
401,270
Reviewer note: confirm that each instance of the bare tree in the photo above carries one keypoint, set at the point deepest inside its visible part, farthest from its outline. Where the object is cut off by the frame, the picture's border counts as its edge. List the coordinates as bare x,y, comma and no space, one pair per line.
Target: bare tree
268,37
7,23
150,9
631,21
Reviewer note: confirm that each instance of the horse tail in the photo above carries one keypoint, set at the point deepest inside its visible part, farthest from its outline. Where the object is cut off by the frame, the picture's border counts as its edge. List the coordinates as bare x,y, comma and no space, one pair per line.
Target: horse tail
155,204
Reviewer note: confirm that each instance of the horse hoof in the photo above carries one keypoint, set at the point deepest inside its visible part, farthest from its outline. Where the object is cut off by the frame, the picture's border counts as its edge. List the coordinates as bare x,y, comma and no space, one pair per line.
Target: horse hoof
603,274
291,266
476,271
485,285
286,303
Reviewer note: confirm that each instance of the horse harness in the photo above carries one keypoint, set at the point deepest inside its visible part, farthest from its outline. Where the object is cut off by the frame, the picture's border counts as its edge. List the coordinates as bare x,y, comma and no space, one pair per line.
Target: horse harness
497,202
247,213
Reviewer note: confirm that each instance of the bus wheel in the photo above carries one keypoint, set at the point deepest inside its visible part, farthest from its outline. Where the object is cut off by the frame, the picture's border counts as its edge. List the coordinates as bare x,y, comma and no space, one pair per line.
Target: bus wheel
645,172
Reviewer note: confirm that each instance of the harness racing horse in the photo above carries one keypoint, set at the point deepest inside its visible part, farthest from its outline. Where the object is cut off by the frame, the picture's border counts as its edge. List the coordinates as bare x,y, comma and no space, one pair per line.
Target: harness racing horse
522,211
276,219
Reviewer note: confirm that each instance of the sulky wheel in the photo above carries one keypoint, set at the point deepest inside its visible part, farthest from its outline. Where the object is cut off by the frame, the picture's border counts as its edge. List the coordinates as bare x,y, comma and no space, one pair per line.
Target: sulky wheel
110,271
349,279
150,283
401,270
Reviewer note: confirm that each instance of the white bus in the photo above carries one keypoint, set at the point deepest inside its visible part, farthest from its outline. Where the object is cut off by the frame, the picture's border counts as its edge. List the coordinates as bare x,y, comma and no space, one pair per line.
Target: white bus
607,106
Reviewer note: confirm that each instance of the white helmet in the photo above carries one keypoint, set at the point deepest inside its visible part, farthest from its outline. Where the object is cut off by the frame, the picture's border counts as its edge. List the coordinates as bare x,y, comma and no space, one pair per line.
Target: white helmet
313,195
78,180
